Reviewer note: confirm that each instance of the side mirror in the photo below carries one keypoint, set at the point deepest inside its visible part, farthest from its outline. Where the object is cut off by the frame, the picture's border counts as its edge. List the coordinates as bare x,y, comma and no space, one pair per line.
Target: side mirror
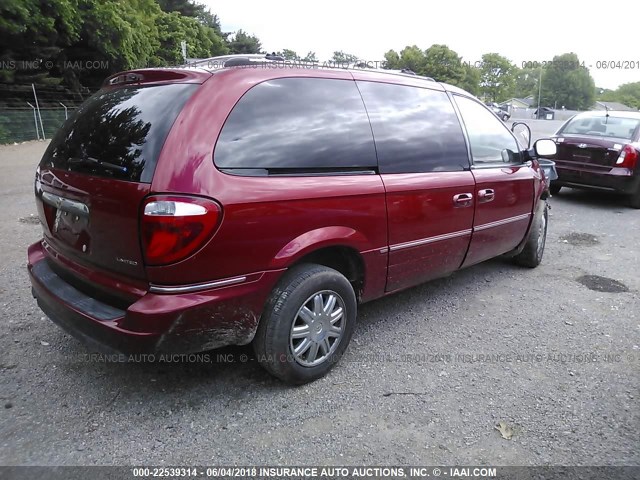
507,156
545,147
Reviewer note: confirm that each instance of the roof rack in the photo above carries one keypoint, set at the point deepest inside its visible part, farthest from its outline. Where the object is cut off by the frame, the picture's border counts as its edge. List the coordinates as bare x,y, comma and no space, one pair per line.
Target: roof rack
240,59
221,61
407,71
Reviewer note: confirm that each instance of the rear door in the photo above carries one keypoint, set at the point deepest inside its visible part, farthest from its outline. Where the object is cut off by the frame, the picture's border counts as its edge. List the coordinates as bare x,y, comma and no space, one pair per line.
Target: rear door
96,171
504,184
424,164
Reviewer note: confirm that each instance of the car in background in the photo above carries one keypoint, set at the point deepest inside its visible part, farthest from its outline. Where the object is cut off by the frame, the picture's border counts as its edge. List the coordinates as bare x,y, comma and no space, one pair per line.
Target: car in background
189,209
500,112
600,150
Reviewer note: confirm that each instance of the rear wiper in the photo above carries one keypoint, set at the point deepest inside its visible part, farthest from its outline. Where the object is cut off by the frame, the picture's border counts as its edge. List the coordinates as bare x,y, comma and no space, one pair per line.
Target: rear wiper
92,160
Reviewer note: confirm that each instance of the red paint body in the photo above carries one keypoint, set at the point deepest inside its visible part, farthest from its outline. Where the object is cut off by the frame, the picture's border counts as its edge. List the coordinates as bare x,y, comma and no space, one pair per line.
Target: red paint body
403,229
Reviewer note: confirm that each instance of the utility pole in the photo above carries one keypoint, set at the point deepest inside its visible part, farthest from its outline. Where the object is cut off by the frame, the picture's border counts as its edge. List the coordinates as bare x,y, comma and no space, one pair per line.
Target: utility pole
539,93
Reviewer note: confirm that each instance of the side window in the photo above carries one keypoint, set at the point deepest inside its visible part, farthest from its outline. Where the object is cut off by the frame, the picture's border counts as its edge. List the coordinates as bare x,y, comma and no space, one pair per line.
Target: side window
297,125
491,142
415,129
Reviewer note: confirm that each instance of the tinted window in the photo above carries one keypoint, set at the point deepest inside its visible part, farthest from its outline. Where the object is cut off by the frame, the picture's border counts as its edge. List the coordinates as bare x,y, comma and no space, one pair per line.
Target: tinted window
288,124
415,129
118,133
491,142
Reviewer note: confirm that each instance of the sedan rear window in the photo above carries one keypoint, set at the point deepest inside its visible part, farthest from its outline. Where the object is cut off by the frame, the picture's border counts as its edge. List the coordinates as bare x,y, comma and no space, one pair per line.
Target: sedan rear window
118,133
601,126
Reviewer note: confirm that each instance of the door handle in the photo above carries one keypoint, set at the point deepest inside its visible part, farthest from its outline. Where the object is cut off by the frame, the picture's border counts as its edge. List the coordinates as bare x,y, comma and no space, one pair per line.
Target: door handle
486,195
463,200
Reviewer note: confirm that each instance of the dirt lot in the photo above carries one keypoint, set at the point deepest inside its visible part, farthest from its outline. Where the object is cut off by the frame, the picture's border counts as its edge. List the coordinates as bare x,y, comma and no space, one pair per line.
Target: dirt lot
428,376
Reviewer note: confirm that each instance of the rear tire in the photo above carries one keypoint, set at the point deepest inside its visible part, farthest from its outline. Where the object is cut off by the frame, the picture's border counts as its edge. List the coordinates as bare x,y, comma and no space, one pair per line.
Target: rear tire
531,256
634,199
505,118
307,324
554,188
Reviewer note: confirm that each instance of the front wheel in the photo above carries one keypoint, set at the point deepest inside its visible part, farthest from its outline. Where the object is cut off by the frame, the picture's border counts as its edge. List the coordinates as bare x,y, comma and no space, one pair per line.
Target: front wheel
306,325
505,118
531,255
554,188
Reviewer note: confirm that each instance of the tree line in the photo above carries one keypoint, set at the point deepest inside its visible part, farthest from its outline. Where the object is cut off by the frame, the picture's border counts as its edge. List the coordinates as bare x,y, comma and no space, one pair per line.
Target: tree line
78,43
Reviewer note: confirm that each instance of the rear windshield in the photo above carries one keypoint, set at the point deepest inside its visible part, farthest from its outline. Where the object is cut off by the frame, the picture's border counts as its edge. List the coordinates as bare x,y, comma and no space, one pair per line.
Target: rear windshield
600,126
118,133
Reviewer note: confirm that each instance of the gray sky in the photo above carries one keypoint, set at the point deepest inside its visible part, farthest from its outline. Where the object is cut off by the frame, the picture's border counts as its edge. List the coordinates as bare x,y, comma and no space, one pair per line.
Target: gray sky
596,31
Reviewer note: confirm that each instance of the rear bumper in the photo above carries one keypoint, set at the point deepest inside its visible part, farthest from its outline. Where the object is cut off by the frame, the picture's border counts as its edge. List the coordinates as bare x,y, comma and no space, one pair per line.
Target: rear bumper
155,323
619,180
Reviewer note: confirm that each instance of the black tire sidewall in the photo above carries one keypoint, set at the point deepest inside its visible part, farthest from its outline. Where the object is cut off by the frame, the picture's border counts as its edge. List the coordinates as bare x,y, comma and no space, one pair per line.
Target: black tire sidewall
294,289
530,256
544,215
554,188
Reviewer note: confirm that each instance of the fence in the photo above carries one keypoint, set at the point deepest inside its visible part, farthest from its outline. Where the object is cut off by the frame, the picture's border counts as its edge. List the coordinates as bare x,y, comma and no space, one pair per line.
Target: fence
528,114
23,124
32,112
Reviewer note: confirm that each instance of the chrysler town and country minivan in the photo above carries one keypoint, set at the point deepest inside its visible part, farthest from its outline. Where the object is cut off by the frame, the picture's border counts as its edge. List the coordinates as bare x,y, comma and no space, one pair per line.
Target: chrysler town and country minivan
189,209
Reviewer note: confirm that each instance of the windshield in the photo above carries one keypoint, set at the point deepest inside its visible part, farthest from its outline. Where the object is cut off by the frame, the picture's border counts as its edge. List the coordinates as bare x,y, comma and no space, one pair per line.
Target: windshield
601,126
119,132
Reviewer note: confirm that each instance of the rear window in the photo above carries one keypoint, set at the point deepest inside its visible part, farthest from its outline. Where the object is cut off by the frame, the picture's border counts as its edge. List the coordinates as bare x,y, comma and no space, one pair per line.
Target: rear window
600,126
118,133
297,125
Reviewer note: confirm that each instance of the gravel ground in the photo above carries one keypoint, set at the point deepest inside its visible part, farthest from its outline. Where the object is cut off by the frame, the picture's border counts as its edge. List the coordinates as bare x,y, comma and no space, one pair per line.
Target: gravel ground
428,376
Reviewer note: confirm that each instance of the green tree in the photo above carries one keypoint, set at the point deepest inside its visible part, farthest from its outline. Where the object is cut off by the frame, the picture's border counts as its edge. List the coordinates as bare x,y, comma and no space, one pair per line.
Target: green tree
471,80
391,60
439,62
444,65
32,31
526,82
202,42
124,32
496,77
628,94
289,54
242,42
412,58
310,57
120,34
342,57
566,83
117,33
189,8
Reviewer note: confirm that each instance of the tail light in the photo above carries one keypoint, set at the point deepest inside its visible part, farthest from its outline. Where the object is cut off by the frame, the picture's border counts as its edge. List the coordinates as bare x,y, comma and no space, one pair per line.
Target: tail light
175,227
628,157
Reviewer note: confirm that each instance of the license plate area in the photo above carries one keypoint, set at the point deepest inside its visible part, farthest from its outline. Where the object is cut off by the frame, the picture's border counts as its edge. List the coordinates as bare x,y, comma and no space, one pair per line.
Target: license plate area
582,156
68,221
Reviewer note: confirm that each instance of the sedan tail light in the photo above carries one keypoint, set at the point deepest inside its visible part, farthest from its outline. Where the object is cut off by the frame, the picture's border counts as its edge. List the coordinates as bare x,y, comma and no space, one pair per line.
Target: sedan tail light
175,227
628,157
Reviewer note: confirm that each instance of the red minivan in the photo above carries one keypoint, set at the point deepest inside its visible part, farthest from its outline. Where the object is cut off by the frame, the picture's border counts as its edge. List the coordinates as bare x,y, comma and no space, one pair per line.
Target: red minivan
189,209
